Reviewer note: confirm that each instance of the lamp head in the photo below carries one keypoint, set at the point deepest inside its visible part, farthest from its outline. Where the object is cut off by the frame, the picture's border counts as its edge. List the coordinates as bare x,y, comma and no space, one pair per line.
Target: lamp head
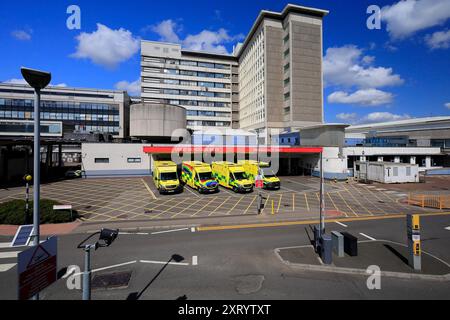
108,236
35,78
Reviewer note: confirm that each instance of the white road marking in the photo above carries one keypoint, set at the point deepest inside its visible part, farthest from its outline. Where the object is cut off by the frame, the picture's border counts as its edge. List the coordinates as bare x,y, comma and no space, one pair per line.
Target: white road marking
164,262
194,260
137,233
340,223
109,267
448,228
6,266
368,237
12,254
5,244
193,229
167,231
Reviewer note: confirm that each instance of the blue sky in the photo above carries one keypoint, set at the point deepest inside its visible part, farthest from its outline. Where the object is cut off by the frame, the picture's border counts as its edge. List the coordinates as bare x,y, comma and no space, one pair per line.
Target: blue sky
399,71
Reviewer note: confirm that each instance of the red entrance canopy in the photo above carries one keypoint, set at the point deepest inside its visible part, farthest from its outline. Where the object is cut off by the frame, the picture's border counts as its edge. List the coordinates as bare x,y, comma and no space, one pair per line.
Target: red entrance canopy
225,149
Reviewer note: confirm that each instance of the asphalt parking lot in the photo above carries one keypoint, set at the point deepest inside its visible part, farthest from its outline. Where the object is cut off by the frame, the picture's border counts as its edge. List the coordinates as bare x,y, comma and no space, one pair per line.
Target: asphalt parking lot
137,199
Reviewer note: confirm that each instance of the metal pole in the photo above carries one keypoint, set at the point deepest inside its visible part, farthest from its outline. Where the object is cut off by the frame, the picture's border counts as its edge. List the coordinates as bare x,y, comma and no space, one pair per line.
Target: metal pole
322,204
37,170
27,203
87,273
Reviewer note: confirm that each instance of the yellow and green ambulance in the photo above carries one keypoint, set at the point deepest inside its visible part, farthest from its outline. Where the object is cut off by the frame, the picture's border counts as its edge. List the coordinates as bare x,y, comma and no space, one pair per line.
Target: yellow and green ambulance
251,167
165,176
198,176
232,176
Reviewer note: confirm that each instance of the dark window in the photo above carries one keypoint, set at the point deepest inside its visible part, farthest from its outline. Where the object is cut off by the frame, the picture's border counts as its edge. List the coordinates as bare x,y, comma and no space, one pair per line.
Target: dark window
101,160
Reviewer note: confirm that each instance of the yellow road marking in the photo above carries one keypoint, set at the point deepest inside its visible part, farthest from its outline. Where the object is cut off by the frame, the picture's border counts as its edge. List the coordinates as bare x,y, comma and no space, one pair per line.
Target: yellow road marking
188,207
293,223
235,205
279,203
307,203
334,205
165,211
224,201
356,200
207,204
148,189
254,198
339,193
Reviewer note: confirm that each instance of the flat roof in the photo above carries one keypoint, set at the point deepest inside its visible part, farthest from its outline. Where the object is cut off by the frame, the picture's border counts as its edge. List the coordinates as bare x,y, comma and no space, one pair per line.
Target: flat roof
289,8
226,149
425,120
58,88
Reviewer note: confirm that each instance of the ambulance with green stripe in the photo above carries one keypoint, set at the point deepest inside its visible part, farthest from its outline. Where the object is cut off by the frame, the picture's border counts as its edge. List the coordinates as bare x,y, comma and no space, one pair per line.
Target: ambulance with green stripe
198,176
251,167
165,177
232,176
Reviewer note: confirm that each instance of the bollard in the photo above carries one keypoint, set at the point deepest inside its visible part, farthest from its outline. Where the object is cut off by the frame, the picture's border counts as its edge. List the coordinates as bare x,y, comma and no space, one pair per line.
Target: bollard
326,250
338,243
273,207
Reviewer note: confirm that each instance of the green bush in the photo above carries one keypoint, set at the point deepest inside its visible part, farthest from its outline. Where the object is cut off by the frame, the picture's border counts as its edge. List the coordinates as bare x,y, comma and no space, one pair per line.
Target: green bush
13,212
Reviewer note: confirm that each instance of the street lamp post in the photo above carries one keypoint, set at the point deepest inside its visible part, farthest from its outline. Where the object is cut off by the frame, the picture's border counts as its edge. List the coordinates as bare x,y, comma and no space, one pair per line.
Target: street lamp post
38,80
322,203
106,237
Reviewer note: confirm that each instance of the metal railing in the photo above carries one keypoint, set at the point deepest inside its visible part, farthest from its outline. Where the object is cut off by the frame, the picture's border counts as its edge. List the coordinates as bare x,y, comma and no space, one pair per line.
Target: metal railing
429,200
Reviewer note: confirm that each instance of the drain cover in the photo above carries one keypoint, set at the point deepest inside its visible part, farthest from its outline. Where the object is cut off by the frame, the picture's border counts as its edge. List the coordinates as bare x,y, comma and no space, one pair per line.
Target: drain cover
111,280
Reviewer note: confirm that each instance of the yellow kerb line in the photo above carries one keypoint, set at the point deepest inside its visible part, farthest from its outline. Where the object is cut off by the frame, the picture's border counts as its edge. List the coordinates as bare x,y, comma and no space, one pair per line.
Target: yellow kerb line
293,223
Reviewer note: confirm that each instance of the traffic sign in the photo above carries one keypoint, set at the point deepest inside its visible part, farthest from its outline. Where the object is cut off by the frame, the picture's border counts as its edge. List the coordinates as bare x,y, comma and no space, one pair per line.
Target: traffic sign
259,184
37,268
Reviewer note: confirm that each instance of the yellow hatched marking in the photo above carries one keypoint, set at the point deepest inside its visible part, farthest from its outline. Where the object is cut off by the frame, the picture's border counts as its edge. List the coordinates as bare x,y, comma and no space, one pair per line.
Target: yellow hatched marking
279,203
165,211
246,210
346,203
187,208
224,201
207,204
334,205
242,197
148,189
307,203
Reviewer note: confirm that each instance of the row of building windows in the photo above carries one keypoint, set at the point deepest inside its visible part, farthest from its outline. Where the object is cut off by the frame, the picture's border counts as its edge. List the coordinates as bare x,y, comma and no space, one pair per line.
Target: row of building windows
57,104
189,83
97,128
28,115
207,113
188,63
187,92
208,123
187,73
189,103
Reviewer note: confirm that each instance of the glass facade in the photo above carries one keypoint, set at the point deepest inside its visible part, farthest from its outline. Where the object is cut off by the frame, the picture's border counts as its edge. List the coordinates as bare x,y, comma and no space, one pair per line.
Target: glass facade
27,128
85,117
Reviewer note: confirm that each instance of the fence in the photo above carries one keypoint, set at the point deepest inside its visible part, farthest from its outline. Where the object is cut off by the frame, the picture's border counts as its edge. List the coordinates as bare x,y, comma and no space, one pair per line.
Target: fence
430,201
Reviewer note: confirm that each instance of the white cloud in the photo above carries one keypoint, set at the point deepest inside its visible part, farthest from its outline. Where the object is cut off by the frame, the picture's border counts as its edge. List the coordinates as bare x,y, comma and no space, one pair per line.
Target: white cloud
106,47
167,31
22,34
347,66
133,88
364,97
406,17
438,40
447,105
349,117
206,40
15,81
382,117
